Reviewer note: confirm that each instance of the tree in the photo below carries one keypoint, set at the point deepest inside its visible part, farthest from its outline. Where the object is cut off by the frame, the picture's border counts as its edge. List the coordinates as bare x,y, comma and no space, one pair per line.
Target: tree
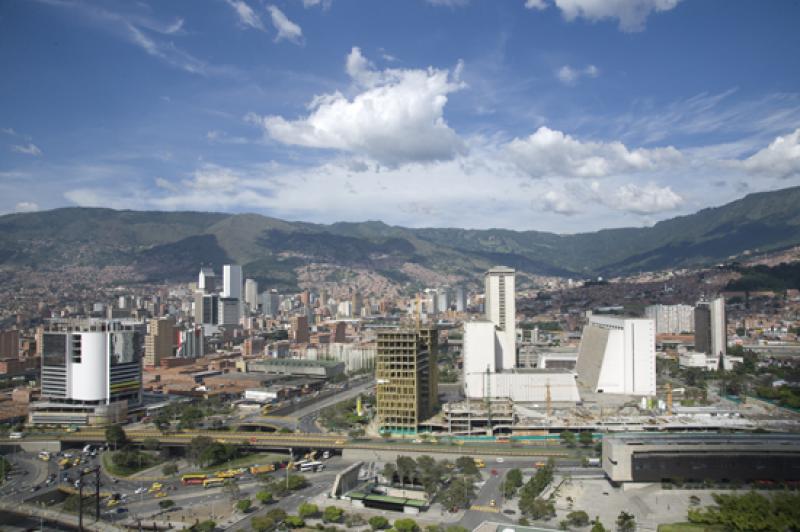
150,443
466,464
354,520
511,483
297,482
458,494
277,515
307,510
166,503
332,514
585,438
578,518
541,509
244,505
116,436
232,489
626,522
205,526
198,447
597,526
378,522
568,437
406,525
264,497
406,469
169,469
389,469
293,521
751,511
262,524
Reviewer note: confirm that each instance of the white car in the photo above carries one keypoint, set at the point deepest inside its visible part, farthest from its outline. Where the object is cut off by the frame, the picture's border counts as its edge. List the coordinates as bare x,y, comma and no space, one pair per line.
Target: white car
500,460
140,490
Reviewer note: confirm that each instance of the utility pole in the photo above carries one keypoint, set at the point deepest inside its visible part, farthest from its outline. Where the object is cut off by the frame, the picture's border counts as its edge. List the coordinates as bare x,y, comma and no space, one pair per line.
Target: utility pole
97,493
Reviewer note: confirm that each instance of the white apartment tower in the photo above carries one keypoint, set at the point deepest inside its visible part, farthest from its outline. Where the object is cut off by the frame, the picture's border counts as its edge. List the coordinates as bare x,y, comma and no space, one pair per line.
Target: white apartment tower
501,309
251,294
232,281
206,280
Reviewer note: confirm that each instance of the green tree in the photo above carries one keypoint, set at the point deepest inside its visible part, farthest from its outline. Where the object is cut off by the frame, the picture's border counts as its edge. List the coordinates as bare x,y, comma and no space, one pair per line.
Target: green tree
264,497
166,503
332,514
541,509
458,494
406,525
751,511
568,437
198,448
512,483
293,521
151,444
232,489
116,436
297,482
205,526
466,464
354,520
406,469
277,515
585,438
626,522
243,505
169,469
378,522
389,470
597,526
578,518
262,524
308,510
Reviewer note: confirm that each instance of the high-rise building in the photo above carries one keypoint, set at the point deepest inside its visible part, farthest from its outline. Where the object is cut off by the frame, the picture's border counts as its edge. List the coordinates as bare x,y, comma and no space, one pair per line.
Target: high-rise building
207,280
191,343
442,300
339,331
461,299
618,356
232,281
406,386
270,303
91,372
358,304
9,344
501,309
206,309
159,342
710,327
671,319
251,294
229,311
300,333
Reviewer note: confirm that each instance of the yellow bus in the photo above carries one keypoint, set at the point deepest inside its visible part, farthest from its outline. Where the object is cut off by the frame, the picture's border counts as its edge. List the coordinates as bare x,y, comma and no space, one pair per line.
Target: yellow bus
193,478
214,481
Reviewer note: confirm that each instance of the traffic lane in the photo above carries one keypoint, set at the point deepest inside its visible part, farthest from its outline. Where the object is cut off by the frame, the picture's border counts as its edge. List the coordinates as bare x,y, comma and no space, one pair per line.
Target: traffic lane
490,491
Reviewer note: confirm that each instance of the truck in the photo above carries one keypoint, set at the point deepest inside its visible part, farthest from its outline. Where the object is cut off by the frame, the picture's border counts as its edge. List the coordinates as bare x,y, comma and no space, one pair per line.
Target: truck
257,469
593,462
312,466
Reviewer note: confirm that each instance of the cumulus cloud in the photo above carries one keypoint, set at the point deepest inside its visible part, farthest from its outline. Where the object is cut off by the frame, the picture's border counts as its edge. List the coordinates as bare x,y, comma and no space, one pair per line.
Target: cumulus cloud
449,3
780,159
550,153
27,149
286,28
631,14
570,76
559,202
326,4
26,206
396,118
647,199
247,16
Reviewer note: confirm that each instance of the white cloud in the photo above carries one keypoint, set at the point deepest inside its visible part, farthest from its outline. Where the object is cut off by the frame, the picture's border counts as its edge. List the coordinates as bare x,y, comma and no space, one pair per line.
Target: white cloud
27,149
286,28
26,206
550,153
631,14
396,118
247,17
570,76
326,4
449,3
647,199
561,203
781,159
174,28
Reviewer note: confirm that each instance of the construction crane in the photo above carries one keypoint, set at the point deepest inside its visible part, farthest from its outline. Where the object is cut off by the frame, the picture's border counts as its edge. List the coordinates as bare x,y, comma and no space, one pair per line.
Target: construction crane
487,399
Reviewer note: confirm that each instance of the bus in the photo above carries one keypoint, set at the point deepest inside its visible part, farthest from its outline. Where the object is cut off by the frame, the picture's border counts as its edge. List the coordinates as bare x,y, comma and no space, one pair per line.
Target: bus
312,466
193,479
214,481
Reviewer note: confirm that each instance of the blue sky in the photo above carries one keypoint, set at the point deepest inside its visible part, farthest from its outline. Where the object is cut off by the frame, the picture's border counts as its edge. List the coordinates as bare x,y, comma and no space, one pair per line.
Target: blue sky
556,115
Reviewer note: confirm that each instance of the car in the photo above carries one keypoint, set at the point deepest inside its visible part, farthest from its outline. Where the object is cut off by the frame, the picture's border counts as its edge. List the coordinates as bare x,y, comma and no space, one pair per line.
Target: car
160,494
35,488
509,512
494,472
120,510
140,490
493,503
500,460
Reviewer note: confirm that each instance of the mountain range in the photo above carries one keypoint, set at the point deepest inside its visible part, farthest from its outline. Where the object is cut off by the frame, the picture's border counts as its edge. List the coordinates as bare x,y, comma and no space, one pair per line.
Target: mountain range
172,245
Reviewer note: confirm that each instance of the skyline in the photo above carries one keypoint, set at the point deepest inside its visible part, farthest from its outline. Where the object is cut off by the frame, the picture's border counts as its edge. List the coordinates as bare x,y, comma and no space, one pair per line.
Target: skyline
565,115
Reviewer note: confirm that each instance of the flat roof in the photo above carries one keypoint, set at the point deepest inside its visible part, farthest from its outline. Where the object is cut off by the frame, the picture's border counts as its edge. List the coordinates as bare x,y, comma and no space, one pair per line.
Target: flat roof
297,362
706,438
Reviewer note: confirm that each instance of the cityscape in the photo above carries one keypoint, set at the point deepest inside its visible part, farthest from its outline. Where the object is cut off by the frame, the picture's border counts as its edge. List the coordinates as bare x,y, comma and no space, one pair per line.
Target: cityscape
411,266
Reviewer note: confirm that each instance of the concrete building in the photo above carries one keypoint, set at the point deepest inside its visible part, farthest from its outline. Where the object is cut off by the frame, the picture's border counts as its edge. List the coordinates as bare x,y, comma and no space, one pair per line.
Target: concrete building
91,372
618,356
159,342
232,281
442,300
698,457
501,309
671,319
251,294
9,344
693,359
207,280
191,343
461,299
710,333
406,385
270,303
324,369
299,332
229,311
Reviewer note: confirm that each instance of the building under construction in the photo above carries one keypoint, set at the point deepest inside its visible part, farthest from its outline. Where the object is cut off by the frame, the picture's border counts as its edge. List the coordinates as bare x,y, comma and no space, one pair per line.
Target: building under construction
405,370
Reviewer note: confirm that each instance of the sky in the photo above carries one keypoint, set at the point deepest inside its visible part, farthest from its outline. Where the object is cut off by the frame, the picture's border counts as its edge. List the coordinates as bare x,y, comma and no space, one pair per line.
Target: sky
550,115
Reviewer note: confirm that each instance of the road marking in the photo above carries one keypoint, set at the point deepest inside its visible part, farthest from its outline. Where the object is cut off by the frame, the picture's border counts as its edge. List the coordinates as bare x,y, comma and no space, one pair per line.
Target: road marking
489,509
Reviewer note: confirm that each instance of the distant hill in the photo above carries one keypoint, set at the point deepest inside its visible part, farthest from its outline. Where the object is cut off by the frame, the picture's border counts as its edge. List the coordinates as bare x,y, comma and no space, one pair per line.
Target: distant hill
171,245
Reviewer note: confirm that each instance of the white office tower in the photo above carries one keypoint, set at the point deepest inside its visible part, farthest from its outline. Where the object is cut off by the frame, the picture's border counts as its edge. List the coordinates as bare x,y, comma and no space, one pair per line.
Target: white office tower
481,354
91,372
251,294
710,332
618,356
442,300
232,281
270,303
207,280
671,319
461,299
501,309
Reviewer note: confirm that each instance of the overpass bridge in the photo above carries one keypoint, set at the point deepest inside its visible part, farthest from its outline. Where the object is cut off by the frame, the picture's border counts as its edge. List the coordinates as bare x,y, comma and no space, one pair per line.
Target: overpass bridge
287,441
